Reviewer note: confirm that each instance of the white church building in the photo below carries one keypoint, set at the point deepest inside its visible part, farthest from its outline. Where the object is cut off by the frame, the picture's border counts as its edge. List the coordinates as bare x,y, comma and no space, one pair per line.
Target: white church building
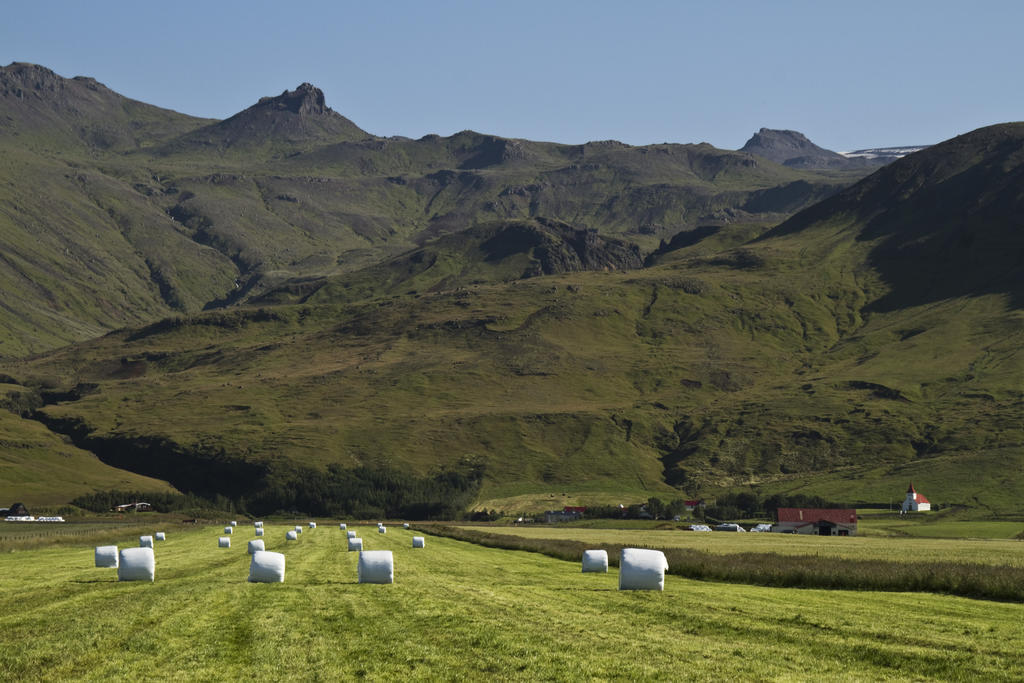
915,502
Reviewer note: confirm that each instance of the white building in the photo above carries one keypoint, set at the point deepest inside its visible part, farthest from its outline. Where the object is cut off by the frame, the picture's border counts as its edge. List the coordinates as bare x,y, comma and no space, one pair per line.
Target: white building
915,502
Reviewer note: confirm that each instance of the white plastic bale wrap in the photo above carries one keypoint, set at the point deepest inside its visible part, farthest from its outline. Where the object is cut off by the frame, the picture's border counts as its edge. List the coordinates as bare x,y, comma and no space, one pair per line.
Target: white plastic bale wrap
343,526
418,541
351,534
136,564
312,525
229,530
355,544
641,569
291,535
256,545
106,556
298,529
259,532
376,566
266,567
145,541
405,526
234,523
382,530
161,536
224,542
595,560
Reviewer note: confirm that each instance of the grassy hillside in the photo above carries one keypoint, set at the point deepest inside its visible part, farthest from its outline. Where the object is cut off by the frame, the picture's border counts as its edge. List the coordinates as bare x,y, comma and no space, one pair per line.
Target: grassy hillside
692,376
39,468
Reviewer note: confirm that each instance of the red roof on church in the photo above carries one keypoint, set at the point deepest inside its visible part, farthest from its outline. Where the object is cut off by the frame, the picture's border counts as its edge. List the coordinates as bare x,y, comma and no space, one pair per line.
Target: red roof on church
918,498
812,515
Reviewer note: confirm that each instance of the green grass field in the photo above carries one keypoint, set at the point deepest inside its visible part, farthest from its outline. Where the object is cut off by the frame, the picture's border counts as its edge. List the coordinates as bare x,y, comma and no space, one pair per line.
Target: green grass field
462,612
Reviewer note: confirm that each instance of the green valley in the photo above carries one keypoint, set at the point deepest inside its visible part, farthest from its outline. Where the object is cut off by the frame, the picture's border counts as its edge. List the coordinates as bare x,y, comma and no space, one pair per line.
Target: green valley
291,309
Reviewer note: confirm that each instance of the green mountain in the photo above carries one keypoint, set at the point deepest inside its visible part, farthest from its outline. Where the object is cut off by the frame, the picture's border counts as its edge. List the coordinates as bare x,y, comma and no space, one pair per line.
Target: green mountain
521,325
115,213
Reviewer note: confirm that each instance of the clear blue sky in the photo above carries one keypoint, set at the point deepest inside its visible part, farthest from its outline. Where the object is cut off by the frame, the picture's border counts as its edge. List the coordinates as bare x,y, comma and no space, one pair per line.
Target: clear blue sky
847,74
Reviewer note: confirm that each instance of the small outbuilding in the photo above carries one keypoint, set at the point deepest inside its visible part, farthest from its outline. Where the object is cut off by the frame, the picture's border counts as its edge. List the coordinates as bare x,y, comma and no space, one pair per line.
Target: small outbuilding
816,521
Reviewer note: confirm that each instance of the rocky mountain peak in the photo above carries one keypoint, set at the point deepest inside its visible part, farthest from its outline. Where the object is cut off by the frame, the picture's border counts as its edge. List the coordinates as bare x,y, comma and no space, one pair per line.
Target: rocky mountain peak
18,79
782,145
791,148
307,99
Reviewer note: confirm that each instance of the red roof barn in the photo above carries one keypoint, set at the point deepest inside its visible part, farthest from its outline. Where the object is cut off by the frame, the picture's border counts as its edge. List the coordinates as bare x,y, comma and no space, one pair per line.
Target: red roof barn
816,521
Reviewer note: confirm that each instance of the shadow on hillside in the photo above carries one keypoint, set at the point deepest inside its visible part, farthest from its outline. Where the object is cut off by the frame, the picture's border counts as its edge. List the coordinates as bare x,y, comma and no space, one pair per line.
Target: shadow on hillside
953,239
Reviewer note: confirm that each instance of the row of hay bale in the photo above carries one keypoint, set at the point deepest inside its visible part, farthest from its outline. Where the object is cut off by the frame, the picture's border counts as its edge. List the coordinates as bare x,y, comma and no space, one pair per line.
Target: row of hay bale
139,564
639,568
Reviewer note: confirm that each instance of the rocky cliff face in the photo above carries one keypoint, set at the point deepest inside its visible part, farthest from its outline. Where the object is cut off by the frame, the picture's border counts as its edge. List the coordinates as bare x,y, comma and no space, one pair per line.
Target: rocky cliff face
560,248
306,100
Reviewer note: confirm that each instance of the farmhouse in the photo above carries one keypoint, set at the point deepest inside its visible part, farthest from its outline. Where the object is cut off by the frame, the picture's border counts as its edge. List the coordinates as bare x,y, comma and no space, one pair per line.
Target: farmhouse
132,507
566,514
16,510
819,522
914,501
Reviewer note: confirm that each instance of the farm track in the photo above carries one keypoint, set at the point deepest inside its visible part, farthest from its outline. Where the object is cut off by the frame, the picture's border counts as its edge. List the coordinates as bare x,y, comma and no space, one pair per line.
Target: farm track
462,612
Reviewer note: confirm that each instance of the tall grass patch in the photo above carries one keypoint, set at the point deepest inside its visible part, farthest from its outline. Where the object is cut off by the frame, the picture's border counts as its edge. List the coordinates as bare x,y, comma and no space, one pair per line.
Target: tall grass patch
790,571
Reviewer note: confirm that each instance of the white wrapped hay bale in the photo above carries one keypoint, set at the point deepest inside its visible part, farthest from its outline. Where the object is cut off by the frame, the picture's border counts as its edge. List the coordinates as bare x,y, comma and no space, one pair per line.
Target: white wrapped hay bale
161,536
642,570
382,530
259,532
224,542
234,523
376,566
136,564
312,525
418,541
266,567
343,526
292,535
229,530
355,544
406,525
298,529
351,534
258,524
256,545
145,541
595,560
106,556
